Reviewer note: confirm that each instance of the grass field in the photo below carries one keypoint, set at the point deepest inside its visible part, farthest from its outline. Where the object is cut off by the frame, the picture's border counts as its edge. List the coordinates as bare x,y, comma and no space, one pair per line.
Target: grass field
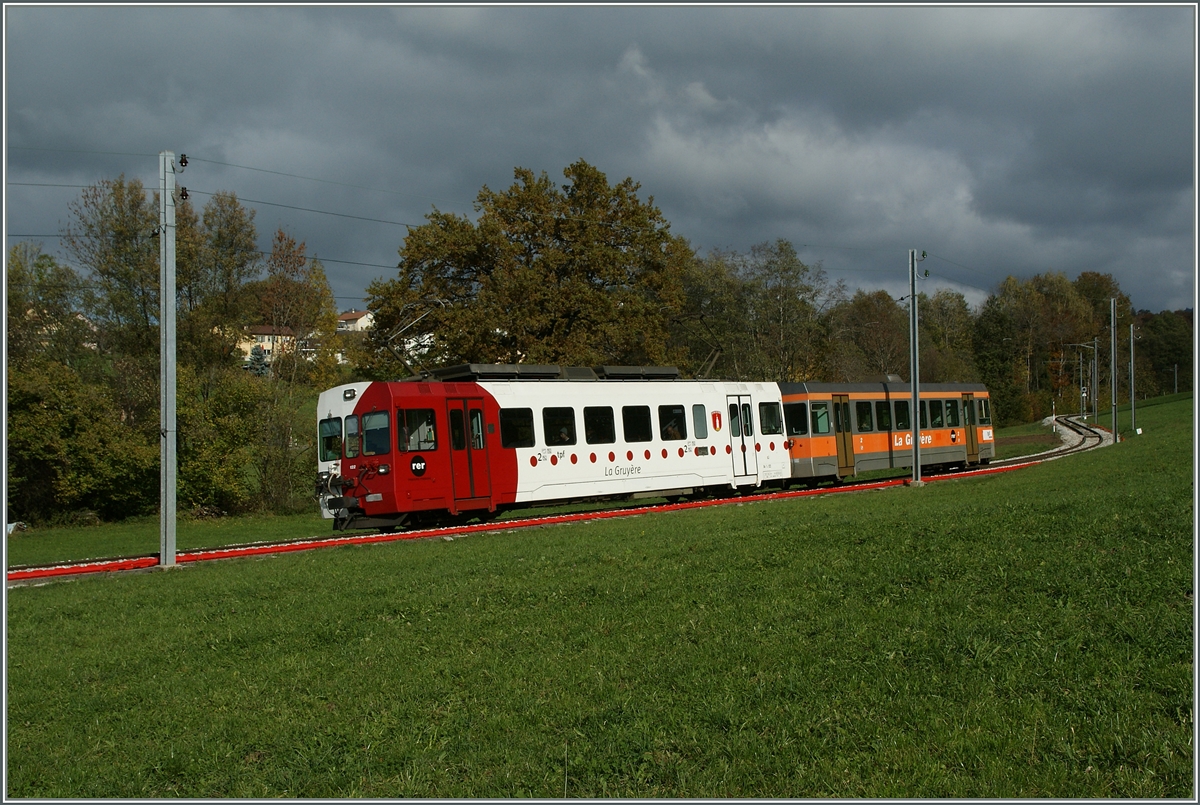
1021,635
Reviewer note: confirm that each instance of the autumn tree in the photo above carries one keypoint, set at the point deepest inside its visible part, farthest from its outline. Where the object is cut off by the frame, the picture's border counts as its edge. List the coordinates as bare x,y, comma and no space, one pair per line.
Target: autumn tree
584,274
868,337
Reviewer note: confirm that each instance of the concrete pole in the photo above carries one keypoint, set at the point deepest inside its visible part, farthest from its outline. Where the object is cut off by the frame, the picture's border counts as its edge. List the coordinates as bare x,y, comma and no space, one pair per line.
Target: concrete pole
1132,393
166,325
914,364
1112,362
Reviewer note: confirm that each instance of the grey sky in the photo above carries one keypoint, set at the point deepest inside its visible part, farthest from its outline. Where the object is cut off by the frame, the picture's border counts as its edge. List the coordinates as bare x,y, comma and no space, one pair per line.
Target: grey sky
1000,140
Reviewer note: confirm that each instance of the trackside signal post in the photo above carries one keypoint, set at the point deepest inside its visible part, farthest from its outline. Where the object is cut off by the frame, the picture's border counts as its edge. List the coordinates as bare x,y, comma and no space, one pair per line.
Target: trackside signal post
166,333
914,364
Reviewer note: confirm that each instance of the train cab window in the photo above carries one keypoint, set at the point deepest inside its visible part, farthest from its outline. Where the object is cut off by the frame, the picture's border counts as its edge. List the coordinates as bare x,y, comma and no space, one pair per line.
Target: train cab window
862,415
352,436
329,437
770,419
598,425
935,413
559,425
795,415
883,415
820,418
699,421
903,421
415,430
636,420
516,427
672,423
952,413
985,412
924,415
375,432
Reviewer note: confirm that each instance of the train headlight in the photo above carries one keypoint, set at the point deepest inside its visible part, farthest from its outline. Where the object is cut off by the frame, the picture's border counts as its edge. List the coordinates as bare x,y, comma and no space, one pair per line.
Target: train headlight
384,469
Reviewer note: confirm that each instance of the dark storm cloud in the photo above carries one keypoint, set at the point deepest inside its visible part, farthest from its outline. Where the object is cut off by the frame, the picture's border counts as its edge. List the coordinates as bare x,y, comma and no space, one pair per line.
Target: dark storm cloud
1007,140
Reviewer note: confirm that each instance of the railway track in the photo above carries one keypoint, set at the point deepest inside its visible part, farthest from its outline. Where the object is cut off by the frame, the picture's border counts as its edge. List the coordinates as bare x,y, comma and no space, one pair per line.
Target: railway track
1080,437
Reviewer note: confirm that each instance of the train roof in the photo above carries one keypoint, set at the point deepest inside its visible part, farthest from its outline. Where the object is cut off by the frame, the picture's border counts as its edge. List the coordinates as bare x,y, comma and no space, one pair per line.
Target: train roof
891,387
526,371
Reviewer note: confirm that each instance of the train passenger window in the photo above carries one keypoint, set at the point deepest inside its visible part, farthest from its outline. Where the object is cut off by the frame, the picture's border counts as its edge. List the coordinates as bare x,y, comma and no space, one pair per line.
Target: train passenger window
935,413
820,418
636,419
735,420
924,415
672,423
747,422
770,420
415,430
598,425
883,415
985,412
862,414
352,442
952,413
903,422
516,427
376,438
700,421
476,416
559,425
329,436
796,417
458,431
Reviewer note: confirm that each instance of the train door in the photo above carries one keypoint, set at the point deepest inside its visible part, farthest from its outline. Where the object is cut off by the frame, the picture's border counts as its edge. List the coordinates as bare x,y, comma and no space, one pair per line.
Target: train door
468,454
843,434
741,437
969,427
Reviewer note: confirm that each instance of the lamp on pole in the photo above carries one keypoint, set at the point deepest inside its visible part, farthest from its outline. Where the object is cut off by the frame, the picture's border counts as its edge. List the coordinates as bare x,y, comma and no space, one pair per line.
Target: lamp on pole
914,364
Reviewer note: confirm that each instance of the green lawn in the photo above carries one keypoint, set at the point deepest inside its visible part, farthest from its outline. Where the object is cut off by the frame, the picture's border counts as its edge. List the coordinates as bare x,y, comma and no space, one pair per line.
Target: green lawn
1027,634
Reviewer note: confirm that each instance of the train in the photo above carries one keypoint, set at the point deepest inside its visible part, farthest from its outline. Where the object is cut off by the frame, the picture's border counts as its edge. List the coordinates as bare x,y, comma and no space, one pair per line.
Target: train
476,440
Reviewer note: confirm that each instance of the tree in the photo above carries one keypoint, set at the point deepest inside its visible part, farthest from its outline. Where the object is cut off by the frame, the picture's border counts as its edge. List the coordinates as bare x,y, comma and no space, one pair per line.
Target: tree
583,274
258,361
45,310
945,338
869,337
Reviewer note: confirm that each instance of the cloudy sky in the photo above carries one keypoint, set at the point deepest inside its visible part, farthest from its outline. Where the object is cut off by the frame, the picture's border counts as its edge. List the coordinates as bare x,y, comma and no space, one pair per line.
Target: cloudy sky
1000,140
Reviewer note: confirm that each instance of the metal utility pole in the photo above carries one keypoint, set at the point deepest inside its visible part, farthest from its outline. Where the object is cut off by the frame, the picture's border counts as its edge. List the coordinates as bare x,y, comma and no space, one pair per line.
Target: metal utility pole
1112,364
1095,378
166,329
914,365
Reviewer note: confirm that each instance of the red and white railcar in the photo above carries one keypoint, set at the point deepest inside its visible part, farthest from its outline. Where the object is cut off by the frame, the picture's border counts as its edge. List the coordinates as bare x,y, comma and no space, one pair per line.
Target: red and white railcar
479,439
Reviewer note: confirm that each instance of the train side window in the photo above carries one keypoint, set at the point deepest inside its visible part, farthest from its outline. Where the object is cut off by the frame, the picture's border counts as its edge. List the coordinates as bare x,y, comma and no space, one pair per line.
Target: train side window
862,413
903,421
672,423
820,418
458,431
883,415
700,421
376,436
985,412
796,417
747,422
516,427
952,413
559,425
329,434
352,441
924,415
636,419
598,425
415,430
735,420
935,413
770,420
